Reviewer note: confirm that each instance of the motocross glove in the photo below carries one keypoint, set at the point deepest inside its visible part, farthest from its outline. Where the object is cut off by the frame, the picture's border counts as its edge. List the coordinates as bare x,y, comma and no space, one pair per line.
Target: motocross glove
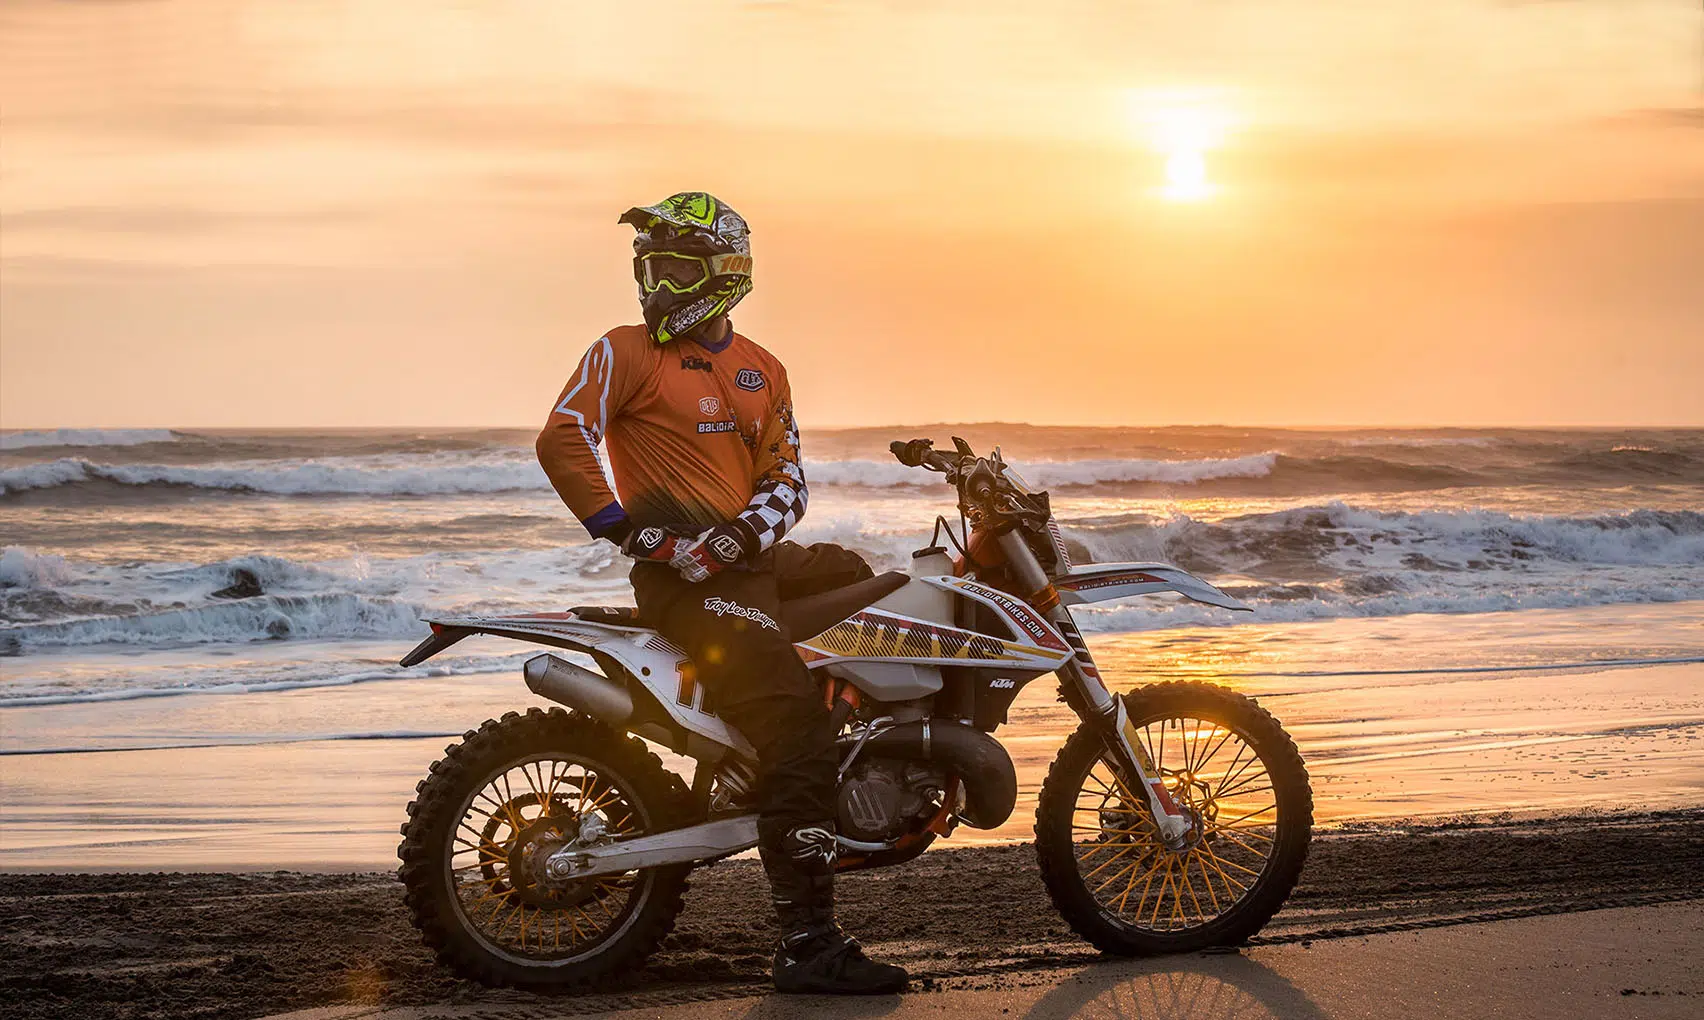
714,550
696,558
658,545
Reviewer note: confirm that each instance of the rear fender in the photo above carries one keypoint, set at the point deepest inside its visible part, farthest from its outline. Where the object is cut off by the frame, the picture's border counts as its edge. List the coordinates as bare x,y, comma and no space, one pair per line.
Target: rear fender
1101,582
655,669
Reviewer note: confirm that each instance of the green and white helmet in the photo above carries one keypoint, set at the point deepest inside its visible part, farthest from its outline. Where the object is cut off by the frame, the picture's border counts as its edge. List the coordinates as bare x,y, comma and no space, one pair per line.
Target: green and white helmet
691,259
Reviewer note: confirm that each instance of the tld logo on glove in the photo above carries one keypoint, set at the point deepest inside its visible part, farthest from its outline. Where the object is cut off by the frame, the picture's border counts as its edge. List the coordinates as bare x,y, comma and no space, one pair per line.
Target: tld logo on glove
726,548
648,541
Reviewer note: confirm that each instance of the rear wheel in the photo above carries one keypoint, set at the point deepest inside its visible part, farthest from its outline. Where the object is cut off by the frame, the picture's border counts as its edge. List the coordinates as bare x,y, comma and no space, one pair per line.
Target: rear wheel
1231,766
489,814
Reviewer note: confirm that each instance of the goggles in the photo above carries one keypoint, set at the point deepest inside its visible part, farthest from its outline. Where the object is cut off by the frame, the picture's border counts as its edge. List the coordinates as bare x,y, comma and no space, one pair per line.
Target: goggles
682,273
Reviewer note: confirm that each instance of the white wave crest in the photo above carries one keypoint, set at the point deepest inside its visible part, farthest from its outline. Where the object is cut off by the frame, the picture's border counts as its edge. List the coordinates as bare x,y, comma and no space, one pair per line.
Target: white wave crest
430,475
270,617
1350,540
443,474
26,568
85,437
886,474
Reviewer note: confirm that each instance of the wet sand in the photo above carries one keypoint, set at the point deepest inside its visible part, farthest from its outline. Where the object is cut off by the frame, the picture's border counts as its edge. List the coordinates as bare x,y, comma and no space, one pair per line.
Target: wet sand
1638,963
249,945
1420,717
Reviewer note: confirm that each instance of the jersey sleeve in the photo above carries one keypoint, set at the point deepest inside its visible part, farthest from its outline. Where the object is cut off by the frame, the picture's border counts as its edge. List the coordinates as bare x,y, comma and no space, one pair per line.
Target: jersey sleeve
779,496
568,444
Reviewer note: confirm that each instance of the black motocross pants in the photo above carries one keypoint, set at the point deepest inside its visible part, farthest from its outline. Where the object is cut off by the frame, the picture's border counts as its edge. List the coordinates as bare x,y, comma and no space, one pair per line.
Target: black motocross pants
730,626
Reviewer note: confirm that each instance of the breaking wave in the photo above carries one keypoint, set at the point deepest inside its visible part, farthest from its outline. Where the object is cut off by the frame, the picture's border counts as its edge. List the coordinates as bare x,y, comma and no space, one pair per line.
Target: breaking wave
84,437
432,475
448,474
885,474
1338,540
273,617
1269,473
1305,563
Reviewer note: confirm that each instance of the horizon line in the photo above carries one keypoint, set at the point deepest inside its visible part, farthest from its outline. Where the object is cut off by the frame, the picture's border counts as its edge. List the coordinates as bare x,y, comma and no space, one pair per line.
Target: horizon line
1335,427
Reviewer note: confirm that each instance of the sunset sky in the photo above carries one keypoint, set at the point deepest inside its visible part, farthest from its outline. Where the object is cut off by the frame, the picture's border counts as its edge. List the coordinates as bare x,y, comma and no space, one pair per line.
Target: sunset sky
394,212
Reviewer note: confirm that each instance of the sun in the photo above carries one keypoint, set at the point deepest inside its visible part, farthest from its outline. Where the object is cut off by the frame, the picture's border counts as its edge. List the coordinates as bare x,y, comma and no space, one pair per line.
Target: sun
1182,126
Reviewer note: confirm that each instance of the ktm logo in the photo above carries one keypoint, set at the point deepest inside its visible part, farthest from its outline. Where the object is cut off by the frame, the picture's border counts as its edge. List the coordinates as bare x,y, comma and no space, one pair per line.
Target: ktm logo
1003,683
709,405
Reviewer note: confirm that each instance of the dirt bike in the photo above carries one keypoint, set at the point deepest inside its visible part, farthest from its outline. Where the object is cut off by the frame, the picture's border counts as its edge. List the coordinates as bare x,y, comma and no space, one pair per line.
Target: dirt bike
551,849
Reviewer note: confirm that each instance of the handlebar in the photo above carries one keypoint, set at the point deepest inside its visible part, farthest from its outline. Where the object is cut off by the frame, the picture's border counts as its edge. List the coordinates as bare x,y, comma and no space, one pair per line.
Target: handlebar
975,477
922,453
911,454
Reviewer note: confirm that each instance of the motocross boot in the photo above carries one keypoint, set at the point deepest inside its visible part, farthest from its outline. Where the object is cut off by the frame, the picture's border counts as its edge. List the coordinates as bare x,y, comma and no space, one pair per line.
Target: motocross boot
815,956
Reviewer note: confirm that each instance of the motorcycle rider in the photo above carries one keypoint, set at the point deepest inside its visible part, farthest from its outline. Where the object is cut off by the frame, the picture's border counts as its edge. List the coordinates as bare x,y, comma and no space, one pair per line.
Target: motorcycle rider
698,422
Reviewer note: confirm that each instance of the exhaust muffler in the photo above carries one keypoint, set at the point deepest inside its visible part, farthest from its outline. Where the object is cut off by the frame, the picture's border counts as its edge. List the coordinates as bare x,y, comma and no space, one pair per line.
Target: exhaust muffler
579,688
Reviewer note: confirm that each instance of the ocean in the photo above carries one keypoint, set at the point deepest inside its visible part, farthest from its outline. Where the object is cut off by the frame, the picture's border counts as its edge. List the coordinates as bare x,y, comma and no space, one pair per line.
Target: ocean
1482,558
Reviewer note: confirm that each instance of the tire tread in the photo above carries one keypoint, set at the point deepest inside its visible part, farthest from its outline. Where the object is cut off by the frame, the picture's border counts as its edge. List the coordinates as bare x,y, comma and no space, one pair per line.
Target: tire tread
1057,859
440,794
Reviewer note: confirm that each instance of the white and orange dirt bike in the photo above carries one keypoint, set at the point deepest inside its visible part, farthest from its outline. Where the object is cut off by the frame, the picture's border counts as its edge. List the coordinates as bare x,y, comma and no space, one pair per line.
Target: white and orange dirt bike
551,849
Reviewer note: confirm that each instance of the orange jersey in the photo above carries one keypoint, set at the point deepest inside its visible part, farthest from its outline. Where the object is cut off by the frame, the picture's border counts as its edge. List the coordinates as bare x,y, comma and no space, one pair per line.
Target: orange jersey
697,436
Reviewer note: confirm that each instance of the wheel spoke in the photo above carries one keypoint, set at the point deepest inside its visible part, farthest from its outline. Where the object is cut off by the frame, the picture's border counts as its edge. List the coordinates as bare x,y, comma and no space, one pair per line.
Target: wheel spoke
1253,850
523,813
1222,782
1214,751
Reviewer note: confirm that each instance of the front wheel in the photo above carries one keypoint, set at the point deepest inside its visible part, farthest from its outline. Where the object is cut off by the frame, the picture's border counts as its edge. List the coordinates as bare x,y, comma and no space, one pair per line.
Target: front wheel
497,805
1231,766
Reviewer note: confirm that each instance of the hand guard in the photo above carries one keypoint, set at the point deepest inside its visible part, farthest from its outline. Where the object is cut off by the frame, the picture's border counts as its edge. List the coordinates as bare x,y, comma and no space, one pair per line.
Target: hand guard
695,558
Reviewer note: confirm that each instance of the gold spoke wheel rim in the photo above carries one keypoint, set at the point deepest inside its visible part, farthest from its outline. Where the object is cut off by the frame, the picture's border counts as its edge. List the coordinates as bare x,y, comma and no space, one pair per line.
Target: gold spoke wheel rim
1215,774
544,798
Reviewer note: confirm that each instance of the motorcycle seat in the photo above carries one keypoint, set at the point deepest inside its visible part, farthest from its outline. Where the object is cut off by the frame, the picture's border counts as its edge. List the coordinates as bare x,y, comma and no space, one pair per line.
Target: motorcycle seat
807,617
613,616
803,617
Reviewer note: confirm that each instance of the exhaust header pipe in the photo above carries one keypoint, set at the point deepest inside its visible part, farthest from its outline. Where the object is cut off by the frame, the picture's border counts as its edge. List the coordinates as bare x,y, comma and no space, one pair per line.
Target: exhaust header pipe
579,688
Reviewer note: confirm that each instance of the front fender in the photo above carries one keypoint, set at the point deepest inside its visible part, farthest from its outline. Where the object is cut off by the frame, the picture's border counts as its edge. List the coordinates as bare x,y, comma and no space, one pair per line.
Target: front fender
1101,582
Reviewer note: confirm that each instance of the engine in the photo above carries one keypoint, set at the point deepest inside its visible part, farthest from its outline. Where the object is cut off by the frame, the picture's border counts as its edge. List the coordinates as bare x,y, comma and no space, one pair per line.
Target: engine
882,798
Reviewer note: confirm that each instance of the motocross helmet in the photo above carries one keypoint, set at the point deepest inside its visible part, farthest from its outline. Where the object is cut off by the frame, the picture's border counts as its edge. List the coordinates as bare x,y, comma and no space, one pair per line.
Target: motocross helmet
691,259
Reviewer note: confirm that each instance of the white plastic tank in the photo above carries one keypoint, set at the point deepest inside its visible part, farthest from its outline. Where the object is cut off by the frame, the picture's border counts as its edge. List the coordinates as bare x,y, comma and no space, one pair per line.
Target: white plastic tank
922,601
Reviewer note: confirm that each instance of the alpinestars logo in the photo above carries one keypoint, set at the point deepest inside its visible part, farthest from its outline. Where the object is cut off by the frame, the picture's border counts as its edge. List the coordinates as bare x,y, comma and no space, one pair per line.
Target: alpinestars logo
723,607
813,844
749,379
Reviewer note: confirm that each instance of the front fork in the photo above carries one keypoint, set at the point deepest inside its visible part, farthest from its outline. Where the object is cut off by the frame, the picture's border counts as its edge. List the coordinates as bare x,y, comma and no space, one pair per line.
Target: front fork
1106,712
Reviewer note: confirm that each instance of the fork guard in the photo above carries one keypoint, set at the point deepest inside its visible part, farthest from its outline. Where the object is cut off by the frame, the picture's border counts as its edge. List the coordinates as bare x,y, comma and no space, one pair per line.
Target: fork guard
983,767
